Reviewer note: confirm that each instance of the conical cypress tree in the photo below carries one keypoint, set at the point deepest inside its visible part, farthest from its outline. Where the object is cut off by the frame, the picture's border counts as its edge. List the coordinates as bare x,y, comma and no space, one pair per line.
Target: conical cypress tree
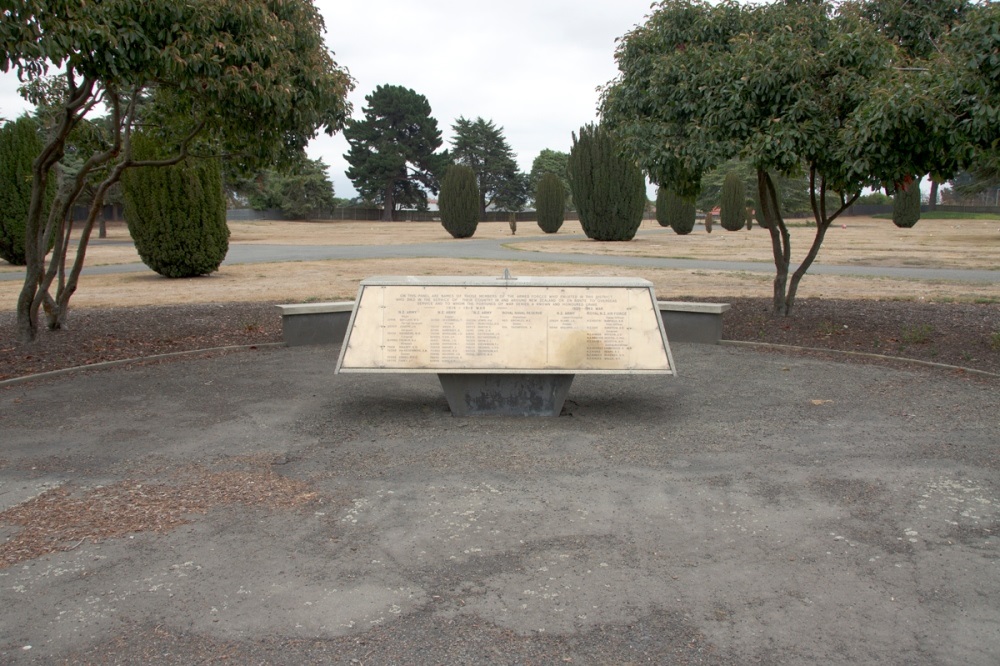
20,144
550,203
459,201
906,204
177,214
609,191
732,213
675,211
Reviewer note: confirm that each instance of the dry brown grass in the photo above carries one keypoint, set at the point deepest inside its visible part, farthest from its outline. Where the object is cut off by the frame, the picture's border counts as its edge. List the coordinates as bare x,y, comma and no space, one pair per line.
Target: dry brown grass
972,244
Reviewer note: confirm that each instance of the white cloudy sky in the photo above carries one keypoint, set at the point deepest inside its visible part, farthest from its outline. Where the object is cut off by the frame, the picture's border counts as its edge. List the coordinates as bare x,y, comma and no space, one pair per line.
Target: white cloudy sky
532,67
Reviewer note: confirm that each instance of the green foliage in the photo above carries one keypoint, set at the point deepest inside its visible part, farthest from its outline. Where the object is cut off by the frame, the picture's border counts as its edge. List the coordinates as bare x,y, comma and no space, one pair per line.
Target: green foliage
609,190
555,162
732,213
874,199
177,215
301,190
917,26
906,204
791,87
249,78
459,201
20,144
550,203
793,189
675,211
480,145
393,153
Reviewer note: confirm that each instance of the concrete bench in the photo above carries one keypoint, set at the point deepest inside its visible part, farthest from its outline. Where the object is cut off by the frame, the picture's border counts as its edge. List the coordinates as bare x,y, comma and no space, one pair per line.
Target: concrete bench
326,323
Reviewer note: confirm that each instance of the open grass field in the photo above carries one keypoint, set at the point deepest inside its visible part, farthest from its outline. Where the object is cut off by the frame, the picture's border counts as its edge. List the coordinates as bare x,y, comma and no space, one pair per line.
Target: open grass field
861,241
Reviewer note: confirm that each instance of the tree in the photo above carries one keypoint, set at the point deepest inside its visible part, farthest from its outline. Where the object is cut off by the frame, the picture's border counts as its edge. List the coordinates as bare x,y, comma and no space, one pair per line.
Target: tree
393,150
793,190
20,144
550,203
786,86
459,201
906,204
732,213
609,190
554,162
251,78
481,146
176,214
301,189
675,211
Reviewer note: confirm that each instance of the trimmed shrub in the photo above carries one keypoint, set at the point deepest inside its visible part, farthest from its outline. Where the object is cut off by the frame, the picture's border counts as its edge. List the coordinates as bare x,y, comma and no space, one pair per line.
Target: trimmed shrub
609,191
675,211
20,144
550,203
176,214
459,201
906,204
732,213
709,218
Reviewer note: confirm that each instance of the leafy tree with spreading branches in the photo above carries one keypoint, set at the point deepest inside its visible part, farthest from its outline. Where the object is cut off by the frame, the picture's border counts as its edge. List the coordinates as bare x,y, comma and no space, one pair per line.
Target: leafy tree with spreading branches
797,85
250,79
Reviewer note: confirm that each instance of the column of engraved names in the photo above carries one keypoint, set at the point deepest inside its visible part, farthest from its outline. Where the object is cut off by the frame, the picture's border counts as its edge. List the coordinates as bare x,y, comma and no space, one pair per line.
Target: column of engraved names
402,343
614,314
605,320
445,327
482,326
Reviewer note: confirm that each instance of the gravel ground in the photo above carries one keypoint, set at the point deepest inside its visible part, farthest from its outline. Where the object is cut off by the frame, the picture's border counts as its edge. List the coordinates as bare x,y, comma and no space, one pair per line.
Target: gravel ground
254,508
959,334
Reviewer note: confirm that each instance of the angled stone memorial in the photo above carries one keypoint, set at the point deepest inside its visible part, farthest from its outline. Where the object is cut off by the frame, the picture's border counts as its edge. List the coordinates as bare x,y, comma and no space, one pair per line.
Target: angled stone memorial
506,346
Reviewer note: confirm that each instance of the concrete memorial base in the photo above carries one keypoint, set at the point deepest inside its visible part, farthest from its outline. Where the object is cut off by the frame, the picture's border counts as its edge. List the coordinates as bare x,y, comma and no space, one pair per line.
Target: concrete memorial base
505,395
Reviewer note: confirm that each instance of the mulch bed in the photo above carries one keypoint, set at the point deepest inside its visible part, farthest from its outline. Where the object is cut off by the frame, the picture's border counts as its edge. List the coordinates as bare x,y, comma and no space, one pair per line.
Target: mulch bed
960,334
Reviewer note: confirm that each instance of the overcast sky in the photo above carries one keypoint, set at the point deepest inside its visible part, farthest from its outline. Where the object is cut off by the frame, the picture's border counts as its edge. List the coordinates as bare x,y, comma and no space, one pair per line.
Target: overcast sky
532,67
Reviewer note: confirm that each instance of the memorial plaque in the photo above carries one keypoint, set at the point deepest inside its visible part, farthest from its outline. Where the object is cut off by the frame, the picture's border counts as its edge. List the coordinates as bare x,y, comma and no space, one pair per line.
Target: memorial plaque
522,325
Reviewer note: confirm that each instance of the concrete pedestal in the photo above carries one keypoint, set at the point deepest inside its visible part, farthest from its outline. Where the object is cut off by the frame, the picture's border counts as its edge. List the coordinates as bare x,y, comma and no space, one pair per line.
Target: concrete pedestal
505,394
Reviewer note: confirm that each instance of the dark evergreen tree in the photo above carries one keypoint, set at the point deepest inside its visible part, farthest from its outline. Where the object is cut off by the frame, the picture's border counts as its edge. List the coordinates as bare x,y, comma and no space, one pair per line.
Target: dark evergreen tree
393,156
906,204
552,161
732,213
675,211
20,144
177,214
301,190
550,203
480,145
609,191
459,201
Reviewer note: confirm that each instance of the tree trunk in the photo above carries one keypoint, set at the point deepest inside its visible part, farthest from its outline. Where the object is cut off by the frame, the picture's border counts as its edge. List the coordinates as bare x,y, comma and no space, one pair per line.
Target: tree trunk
823,222
767,196
932,202
388,204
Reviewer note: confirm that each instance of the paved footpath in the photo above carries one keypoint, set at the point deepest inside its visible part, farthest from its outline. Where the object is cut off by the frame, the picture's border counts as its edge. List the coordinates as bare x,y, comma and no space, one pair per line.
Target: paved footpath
496,250
758,508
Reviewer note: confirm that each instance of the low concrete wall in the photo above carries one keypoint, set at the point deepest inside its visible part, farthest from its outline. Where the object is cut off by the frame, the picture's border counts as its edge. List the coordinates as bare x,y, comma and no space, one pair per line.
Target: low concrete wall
326,323
693,322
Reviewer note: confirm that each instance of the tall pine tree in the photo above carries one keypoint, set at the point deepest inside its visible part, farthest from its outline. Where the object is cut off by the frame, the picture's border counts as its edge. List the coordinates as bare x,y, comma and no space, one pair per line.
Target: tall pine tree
480,145
393,155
